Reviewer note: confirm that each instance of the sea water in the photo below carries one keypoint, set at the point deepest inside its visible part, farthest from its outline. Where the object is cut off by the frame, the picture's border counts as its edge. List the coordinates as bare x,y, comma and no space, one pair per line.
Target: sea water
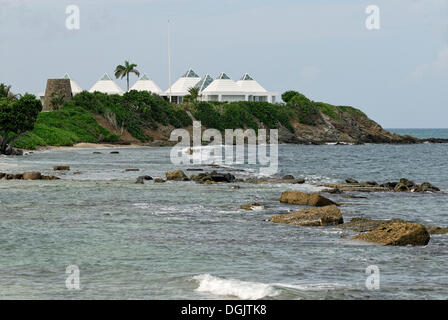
182,240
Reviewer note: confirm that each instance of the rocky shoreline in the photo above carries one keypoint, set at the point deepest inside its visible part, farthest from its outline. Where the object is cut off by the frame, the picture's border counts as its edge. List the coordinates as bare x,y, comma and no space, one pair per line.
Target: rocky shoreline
319,210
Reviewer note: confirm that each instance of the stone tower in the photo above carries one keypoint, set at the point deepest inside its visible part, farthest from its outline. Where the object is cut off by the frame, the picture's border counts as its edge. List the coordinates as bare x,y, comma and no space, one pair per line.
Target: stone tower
59,87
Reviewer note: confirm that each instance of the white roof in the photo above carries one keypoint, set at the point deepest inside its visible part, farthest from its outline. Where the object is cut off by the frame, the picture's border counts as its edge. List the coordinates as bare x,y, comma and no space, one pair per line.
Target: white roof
180,88
106,85
249,85
223,85
75,87
146,84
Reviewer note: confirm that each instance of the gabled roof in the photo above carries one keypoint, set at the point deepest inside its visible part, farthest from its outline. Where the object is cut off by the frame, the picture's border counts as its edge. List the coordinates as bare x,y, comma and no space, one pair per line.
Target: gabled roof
106,85
146,84
249,85
180,88
75,87
204,83
223,84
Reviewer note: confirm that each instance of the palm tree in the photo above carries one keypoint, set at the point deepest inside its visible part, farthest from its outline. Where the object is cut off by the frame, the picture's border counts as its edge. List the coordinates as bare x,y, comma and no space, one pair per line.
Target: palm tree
5,92
124,71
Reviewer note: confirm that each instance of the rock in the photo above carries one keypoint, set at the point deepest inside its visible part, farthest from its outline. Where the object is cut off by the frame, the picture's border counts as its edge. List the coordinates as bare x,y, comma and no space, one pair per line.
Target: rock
370,183
252,206
314,217
159,180
131,170
32,175
177,175
220,177
270,180
288,177
436,230
2,175
17,176
97,152
397,233
363,224
332,191
114,152
210,182
235,187
389,185
147,177
50,178
426,186
77,172
140,180
61,168
306,199
351,181
195,169
407,183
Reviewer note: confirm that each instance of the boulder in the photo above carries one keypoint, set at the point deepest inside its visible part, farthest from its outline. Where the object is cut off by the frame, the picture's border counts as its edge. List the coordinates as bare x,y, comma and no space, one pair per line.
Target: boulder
131,170
2,175
397,233
114,152
426,186
159,180
61,168
288,177
177,175
17,176
306,199
32,175
351,181
50,178
252,206
314,217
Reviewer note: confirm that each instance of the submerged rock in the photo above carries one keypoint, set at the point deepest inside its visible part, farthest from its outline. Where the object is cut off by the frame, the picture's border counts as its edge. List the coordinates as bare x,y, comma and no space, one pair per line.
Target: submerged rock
32,175
314,217
177,175
252,206
306,199
397,233
61,168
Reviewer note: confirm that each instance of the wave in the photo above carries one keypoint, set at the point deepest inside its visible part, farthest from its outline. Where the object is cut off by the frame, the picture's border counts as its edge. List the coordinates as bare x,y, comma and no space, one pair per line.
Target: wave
244,290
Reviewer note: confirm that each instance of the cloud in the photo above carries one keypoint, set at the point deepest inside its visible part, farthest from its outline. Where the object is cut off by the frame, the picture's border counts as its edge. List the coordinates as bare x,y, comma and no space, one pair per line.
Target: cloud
438,67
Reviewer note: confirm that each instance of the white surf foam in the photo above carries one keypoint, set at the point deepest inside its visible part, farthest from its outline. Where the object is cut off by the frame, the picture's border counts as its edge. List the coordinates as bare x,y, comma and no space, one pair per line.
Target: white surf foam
232,287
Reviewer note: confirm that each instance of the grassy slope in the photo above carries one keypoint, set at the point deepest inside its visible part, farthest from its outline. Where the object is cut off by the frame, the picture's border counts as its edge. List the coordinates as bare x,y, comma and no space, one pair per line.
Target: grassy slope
137,111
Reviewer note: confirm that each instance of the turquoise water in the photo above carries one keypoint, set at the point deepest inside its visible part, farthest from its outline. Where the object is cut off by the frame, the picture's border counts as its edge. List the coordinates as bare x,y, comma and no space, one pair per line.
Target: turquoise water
181,240
423,133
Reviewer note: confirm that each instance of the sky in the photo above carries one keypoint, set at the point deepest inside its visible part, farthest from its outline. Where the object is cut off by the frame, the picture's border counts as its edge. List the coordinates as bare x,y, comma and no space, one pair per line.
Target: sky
397,74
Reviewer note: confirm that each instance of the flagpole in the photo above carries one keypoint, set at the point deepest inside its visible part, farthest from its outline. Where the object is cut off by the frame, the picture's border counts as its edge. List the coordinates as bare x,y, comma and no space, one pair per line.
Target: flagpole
169,60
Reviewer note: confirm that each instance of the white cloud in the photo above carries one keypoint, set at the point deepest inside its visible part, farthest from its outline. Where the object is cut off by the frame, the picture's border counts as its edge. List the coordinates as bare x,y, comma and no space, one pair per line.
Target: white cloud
438,67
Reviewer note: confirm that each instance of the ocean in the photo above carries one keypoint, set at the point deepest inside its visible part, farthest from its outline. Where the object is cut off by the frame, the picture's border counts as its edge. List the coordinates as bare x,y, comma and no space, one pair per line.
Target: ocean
182,240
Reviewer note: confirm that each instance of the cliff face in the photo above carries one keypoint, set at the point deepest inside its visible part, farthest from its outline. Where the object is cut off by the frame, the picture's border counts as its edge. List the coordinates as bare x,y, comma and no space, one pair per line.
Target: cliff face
346,128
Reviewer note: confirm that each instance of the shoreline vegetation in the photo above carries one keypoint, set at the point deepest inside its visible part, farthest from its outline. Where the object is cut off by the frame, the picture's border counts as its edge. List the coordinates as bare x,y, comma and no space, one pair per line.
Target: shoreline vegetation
141,118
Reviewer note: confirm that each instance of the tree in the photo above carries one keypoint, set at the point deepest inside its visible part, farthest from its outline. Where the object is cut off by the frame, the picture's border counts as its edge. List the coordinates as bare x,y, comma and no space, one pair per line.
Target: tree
56,100
5,92
16,118
193,95
124,71
288,95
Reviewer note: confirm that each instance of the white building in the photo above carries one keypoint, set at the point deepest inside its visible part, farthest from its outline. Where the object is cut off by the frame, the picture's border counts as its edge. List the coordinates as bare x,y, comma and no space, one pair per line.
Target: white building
106,85
223,89
180,88
146,84
75,87
253,90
